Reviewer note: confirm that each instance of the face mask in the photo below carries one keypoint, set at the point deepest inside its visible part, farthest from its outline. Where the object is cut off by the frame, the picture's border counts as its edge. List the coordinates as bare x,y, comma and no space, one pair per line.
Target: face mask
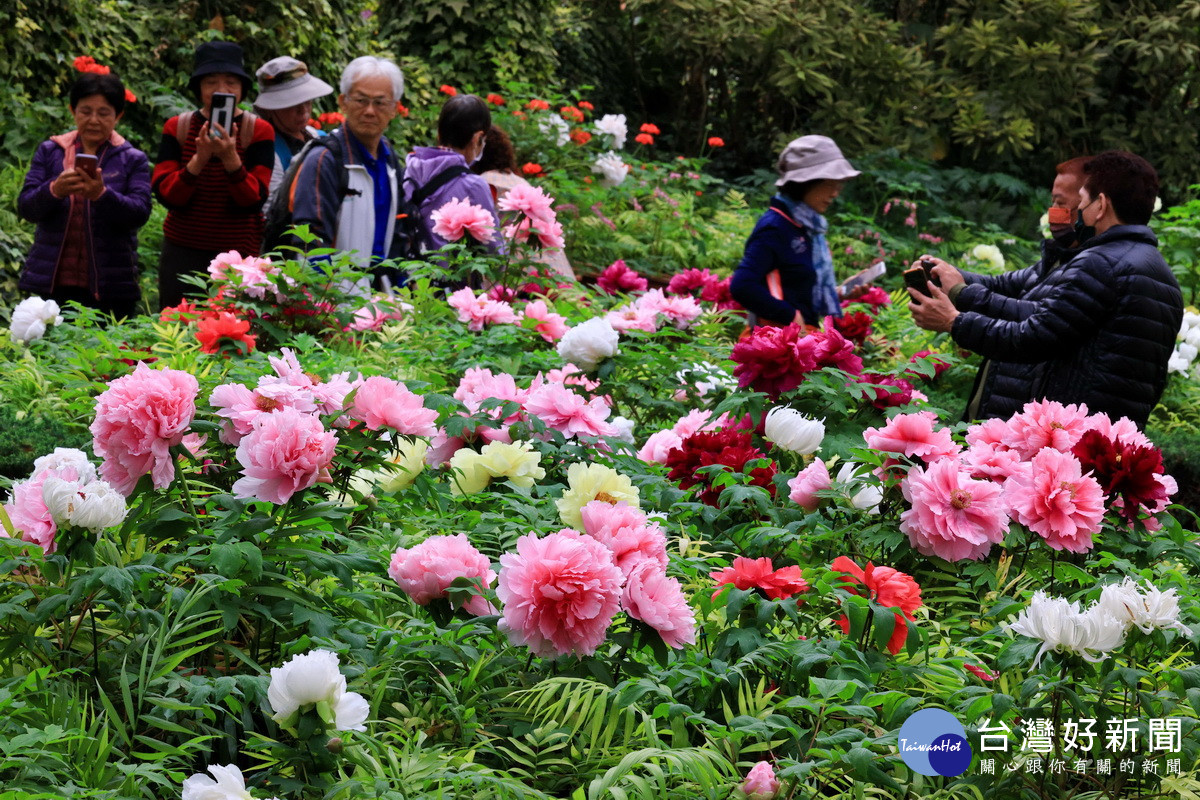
1059,216
1083,231
478,155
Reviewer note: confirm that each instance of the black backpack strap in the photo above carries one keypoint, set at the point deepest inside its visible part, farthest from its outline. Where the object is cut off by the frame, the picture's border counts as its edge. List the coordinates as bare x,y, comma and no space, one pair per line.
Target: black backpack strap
423,193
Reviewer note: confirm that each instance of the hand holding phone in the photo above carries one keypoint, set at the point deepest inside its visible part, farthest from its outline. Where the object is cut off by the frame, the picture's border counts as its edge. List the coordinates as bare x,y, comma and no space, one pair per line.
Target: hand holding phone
87,164
221,120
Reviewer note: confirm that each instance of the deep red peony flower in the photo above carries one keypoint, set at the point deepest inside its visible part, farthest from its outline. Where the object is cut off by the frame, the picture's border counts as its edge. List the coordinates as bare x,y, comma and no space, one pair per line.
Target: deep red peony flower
882,398
887,587
855,325
537,105
224,329
730,448
1124,471
531,169
758,573
644,138
446,88
495,99
873,297
774,360
650,127
716,141
940,365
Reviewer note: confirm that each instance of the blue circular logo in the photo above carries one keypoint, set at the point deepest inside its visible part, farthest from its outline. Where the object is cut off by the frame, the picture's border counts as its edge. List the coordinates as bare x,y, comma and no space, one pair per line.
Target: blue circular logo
932,742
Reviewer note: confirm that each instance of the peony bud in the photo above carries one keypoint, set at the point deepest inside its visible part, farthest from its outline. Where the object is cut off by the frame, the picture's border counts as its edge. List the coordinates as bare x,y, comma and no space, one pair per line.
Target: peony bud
760,782
793,431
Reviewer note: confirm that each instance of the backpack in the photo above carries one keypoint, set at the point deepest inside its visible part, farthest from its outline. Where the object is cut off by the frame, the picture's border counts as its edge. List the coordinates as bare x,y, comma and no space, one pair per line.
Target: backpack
278,219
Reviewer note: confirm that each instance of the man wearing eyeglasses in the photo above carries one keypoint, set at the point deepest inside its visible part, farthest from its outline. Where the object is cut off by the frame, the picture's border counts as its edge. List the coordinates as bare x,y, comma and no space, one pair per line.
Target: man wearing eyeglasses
347,190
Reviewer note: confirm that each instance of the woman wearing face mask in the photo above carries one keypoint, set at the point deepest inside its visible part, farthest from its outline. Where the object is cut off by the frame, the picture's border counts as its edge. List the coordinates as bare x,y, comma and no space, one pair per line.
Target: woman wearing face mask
437,175
213,182
786,274
85,246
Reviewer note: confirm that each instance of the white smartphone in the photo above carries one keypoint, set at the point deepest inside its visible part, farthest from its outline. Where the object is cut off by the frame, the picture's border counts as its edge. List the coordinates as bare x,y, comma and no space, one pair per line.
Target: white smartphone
863,278
223,105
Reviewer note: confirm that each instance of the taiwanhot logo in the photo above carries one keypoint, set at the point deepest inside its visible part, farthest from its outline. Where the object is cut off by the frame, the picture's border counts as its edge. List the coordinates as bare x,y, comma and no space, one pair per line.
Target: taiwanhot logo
933,742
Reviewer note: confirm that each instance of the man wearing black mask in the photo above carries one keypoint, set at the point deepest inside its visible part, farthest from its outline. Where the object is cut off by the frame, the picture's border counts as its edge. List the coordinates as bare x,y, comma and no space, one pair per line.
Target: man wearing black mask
1093,321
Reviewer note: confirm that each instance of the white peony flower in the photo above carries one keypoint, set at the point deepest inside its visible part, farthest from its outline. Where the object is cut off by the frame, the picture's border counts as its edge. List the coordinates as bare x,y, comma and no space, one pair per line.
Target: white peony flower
228,785
867,496
1192,336
1060,625
613,125
64,457
94,505
589,343
791,430
31,317
989,253
1178,364
1152,610
1187,351
624,428
612,168
556,126
311,678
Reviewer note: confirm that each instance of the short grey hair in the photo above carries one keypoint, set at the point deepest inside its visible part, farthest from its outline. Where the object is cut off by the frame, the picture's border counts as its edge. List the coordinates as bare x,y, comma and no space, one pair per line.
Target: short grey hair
371,66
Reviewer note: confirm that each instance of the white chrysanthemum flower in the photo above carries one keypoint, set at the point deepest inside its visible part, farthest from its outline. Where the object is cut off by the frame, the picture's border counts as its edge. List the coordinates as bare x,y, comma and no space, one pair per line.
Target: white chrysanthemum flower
32,317
613,125
791,430
1060,625
226,783
989,254
311,678
589,343
866,495
553,125
1147,610
612,168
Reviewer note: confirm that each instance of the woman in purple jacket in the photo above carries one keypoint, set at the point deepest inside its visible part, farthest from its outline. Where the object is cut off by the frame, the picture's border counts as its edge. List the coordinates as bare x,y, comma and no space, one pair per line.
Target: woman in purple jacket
85,246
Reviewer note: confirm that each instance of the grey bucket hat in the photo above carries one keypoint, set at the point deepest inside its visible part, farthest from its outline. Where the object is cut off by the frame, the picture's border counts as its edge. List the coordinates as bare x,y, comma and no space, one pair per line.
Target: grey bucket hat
285,82
811,158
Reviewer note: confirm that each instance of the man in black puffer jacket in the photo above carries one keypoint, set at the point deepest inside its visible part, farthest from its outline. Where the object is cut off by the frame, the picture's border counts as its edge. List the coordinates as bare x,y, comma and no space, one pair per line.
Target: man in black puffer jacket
1098,329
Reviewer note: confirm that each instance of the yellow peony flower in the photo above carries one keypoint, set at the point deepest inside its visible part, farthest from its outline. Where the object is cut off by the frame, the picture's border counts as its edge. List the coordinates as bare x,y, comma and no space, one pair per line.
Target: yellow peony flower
467,472
516,462
989,254
409,459
588,482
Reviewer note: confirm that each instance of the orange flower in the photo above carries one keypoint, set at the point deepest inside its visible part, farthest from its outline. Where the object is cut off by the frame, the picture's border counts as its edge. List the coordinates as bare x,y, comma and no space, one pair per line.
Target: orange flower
651,128
446,88
331,118
88,64
531,169
495,99
571,113
130,97
587,105
716,141
580,136
887,587
587,179
519,114
223,330
401,109
538,105
644,138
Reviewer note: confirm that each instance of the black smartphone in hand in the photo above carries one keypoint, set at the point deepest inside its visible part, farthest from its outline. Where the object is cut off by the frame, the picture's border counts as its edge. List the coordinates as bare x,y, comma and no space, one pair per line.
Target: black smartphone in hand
221,123
918,278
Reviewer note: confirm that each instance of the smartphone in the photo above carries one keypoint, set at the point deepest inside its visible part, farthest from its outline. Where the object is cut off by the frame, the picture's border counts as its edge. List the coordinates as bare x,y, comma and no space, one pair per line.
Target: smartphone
87,164
918,278
862,278
223,105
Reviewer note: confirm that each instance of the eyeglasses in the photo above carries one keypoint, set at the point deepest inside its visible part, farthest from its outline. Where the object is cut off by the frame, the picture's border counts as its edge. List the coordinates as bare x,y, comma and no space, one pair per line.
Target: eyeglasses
378,103
100,113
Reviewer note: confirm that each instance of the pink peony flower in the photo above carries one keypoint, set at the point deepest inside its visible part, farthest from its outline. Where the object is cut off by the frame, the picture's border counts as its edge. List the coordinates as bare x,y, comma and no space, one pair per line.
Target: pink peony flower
528,200
1124,429
442,447
138,417
619,278
650,596
285,452
328,395
1057,501
912,436
992,462
952,516
681,311
479,384
457,218
633,318
549,232
384,403
568,375
425,572
569,413
655,450
812,479
990,432
760,782
688,281
481,310
550,325
239,406
27,509
560,593
628,534
1046,423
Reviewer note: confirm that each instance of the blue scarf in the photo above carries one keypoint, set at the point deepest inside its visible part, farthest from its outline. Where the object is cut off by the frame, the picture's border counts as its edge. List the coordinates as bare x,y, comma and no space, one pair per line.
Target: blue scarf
825,300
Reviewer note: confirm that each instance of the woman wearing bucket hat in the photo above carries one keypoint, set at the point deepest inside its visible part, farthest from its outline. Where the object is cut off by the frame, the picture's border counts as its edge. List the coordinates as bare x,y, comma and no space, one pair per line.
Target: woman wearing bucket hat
286,91
786,273
212,182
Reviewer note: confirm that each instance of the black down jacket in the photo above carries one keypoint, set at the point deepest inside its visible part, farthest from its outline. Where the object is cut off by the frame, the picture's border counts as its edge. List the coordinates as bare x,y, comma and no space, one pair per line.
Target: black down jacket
1097,330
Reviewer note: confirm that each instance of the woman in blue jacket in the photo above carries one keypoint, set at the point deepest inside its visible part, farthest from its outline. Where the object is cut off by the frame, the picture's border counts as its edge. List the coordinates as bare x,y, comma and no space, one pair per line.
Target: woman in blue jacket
786,273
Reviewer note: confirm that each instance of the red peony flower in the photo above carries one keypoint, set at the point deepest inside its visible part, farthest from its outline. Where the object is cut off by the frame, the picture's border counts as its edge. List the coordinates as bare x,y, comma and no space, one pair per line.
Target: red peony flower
331,118
757,573
774,360
887,587
586,105
537,105
940,365
883,398
88,64
223,330
186,311
729,448
314,123
716,141
979,672
519,114
855,326
130,97
571,114
618,278
580,136
531,169
1127,472
650,127
644,138
495,99
401,109
446,88
873,297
